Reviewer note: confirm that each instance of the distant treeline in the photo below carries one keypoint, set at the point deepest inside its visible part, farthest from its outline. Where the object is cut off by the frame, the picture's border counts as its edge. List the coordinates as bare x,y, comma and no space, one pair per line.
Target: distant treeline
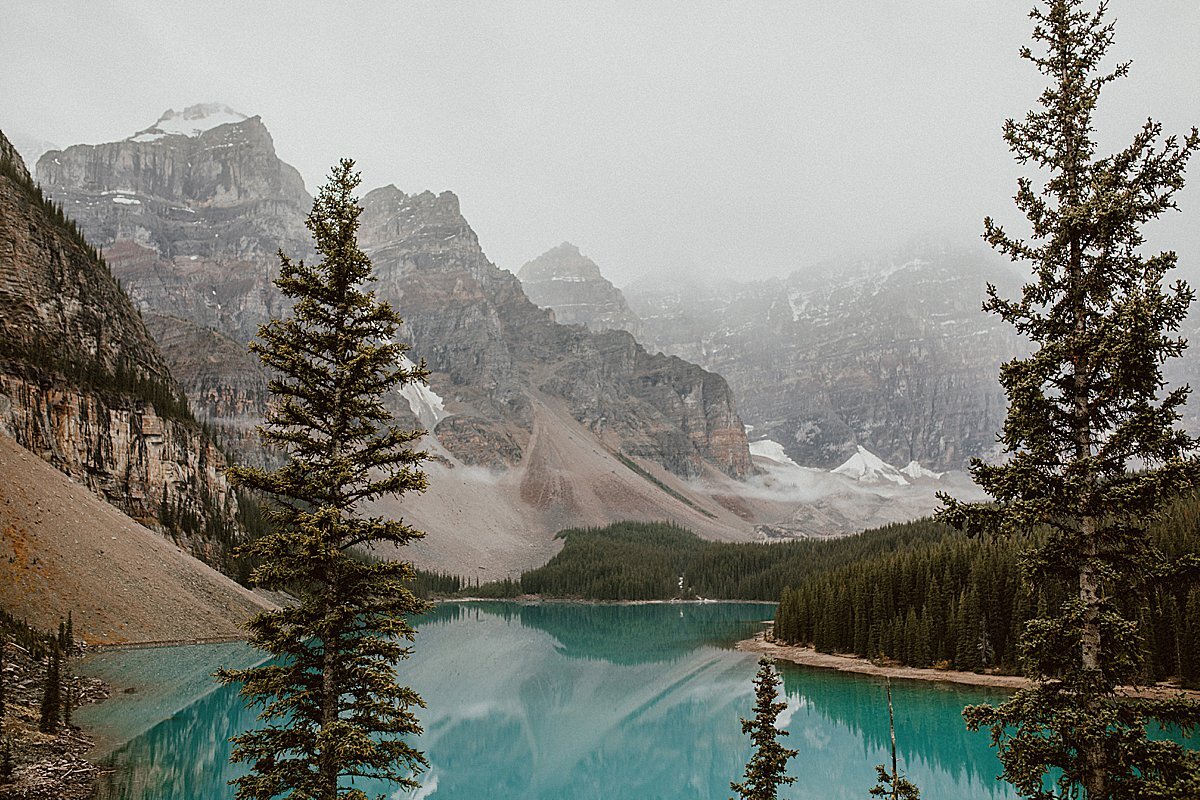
648,561
959,603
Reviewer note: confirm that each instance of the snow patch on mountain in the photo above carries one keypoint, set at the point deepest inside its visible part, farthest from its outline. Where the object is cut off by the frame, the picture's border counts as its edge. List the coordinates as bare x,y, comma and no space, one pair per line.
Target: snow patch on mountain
425,403
192,121
866,467
914,470
767,448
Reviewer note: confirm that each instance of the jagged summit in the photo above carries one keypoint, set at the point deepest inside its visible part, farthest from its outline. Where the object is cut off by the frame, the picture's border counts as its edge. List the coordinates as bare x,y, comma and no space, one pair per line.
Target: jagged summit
571,284
562,263
192,121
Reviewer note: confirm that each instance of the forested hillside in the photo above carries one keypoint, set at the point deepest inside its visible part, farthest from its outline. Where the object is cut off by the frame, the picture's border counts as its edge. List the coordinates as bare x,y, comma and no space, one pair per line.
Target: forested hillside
959,603
917,593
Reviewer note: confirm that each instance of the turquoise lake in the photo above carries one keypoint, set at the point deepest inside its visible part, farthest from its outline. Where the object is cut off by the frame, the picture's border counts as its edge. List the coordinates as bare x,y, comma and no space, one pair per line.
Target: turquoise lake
563,702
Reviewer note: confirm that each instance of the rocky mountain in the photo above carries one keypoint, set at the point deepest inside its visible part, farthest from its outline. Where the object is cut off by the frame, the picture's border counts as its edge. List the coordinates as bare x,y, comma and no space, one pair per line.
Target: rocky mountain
490,348
83,385
190,213
570,284
891,354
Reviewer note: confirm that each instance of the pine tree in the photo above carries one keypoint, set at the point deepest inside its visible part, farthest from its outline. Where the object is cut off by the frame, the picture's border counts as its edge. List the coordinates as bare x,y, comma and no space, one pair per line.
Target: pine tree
51,708
331,704
1094,454
767,767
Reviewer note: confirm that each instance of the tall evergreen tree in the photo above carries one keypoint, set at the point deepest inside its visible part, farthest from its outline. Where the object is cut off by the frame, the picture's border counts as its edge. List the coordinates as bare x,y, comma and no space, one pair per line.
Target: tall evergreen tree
1094,454
331,704
766,770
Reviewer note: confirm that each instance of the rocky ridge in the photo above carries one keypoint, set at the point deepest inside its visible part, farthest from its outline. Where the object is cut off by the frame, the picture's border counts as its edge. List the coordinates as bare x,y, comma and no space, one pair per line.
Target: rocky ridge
83,385
190,217
191,223
570,284
190,213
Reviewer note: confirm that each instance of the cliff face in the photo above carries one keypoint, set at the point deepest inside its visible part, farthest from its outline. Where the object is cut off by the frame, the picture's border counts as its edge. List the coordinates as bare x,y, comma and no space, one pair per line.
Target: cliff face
570,284
490,347
83,385
190,221
893,355
191,213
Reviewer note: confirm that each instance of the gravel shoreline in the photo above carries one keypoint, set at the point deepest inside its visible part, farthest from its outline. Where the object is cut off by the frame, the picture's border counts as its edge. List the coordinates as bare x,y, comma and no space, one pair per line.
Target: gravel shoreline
808,657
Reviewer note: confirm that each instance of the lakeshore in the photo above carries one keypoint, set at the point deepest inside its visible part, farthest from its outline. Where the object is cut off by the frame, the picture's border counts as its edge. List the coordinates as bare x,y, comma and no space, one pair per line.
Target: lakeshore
808,657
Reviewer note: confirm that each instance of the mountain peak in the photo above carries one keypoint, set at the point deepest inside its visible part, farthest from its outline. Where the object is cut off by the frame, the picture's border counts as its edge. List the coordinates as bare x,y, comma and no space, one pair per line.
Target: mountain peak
569,283
564,262
192,121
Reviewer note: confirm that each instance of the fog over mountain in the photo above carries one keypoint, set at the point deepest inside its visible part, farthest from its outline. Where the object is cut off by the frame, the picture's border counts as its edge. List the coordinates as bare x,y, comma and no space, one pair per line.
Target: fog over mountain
722,139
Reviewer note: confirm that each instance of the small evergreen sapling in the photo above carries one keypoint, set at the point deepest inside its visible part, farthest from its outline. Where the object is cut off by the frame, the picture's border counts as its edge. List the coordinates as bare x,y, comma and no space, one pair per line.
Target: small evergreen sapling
331,705
766,770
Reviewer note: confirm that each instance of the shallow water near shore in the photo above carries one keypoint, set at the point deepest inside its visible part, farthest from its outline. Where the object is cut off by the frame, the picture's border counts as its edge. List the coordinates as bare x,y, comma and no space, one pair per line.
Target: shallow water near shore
553,701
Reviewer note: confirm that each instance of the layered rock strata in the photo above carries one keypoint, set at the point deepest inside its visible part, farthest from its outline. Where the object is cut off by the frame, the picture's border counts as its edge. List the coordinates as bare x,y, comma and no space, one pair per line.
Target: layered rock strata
489,347
83,385
191,211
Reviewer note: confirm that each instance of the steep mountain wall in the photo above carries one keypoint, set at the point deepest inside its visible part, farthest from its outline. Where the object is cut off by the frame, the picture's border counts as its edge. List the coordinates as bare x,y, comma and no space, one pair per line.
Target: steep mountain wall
190,213
191,223
83,385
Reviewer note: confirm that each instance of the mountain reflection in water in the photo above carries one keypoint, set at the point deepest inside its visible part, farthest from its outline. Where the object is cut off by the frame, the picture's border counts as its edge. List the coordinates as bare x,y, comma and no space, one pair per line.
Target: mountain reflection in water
553,701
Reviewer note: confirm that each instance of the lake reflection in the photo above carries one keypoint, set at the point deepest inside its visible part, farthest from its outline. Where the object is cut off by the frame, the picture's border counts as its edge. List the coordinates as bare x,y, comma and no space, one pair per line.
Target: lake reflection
557,702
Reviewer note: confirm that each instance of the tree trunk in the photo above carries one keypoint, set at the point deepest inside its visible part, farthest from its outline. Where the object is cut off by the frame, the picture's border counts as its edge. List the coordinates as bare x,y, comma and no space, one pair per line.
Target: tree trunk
329,767
1095,777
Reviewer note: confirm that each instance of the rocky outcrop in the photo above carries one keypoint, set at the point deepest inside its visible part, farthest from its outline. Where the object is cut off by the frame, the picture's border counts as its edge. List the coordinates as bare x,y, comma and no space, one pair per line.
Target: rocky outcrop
489,347
570,284
225,383
83,385
893,354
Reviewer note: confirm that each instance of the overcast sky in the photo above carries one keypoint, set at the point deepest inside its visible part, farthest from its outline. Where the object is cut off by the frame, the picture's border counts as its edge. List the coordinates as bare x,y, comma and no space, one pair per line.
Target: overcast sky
729,138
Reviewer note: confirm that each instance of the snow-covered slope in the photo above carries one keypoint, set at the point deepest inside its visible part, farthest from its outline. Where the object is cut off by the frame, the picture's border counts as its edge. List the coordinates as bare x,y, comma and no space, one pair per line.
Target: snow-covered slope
426,404
867,467
768,448
192,121
914,470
